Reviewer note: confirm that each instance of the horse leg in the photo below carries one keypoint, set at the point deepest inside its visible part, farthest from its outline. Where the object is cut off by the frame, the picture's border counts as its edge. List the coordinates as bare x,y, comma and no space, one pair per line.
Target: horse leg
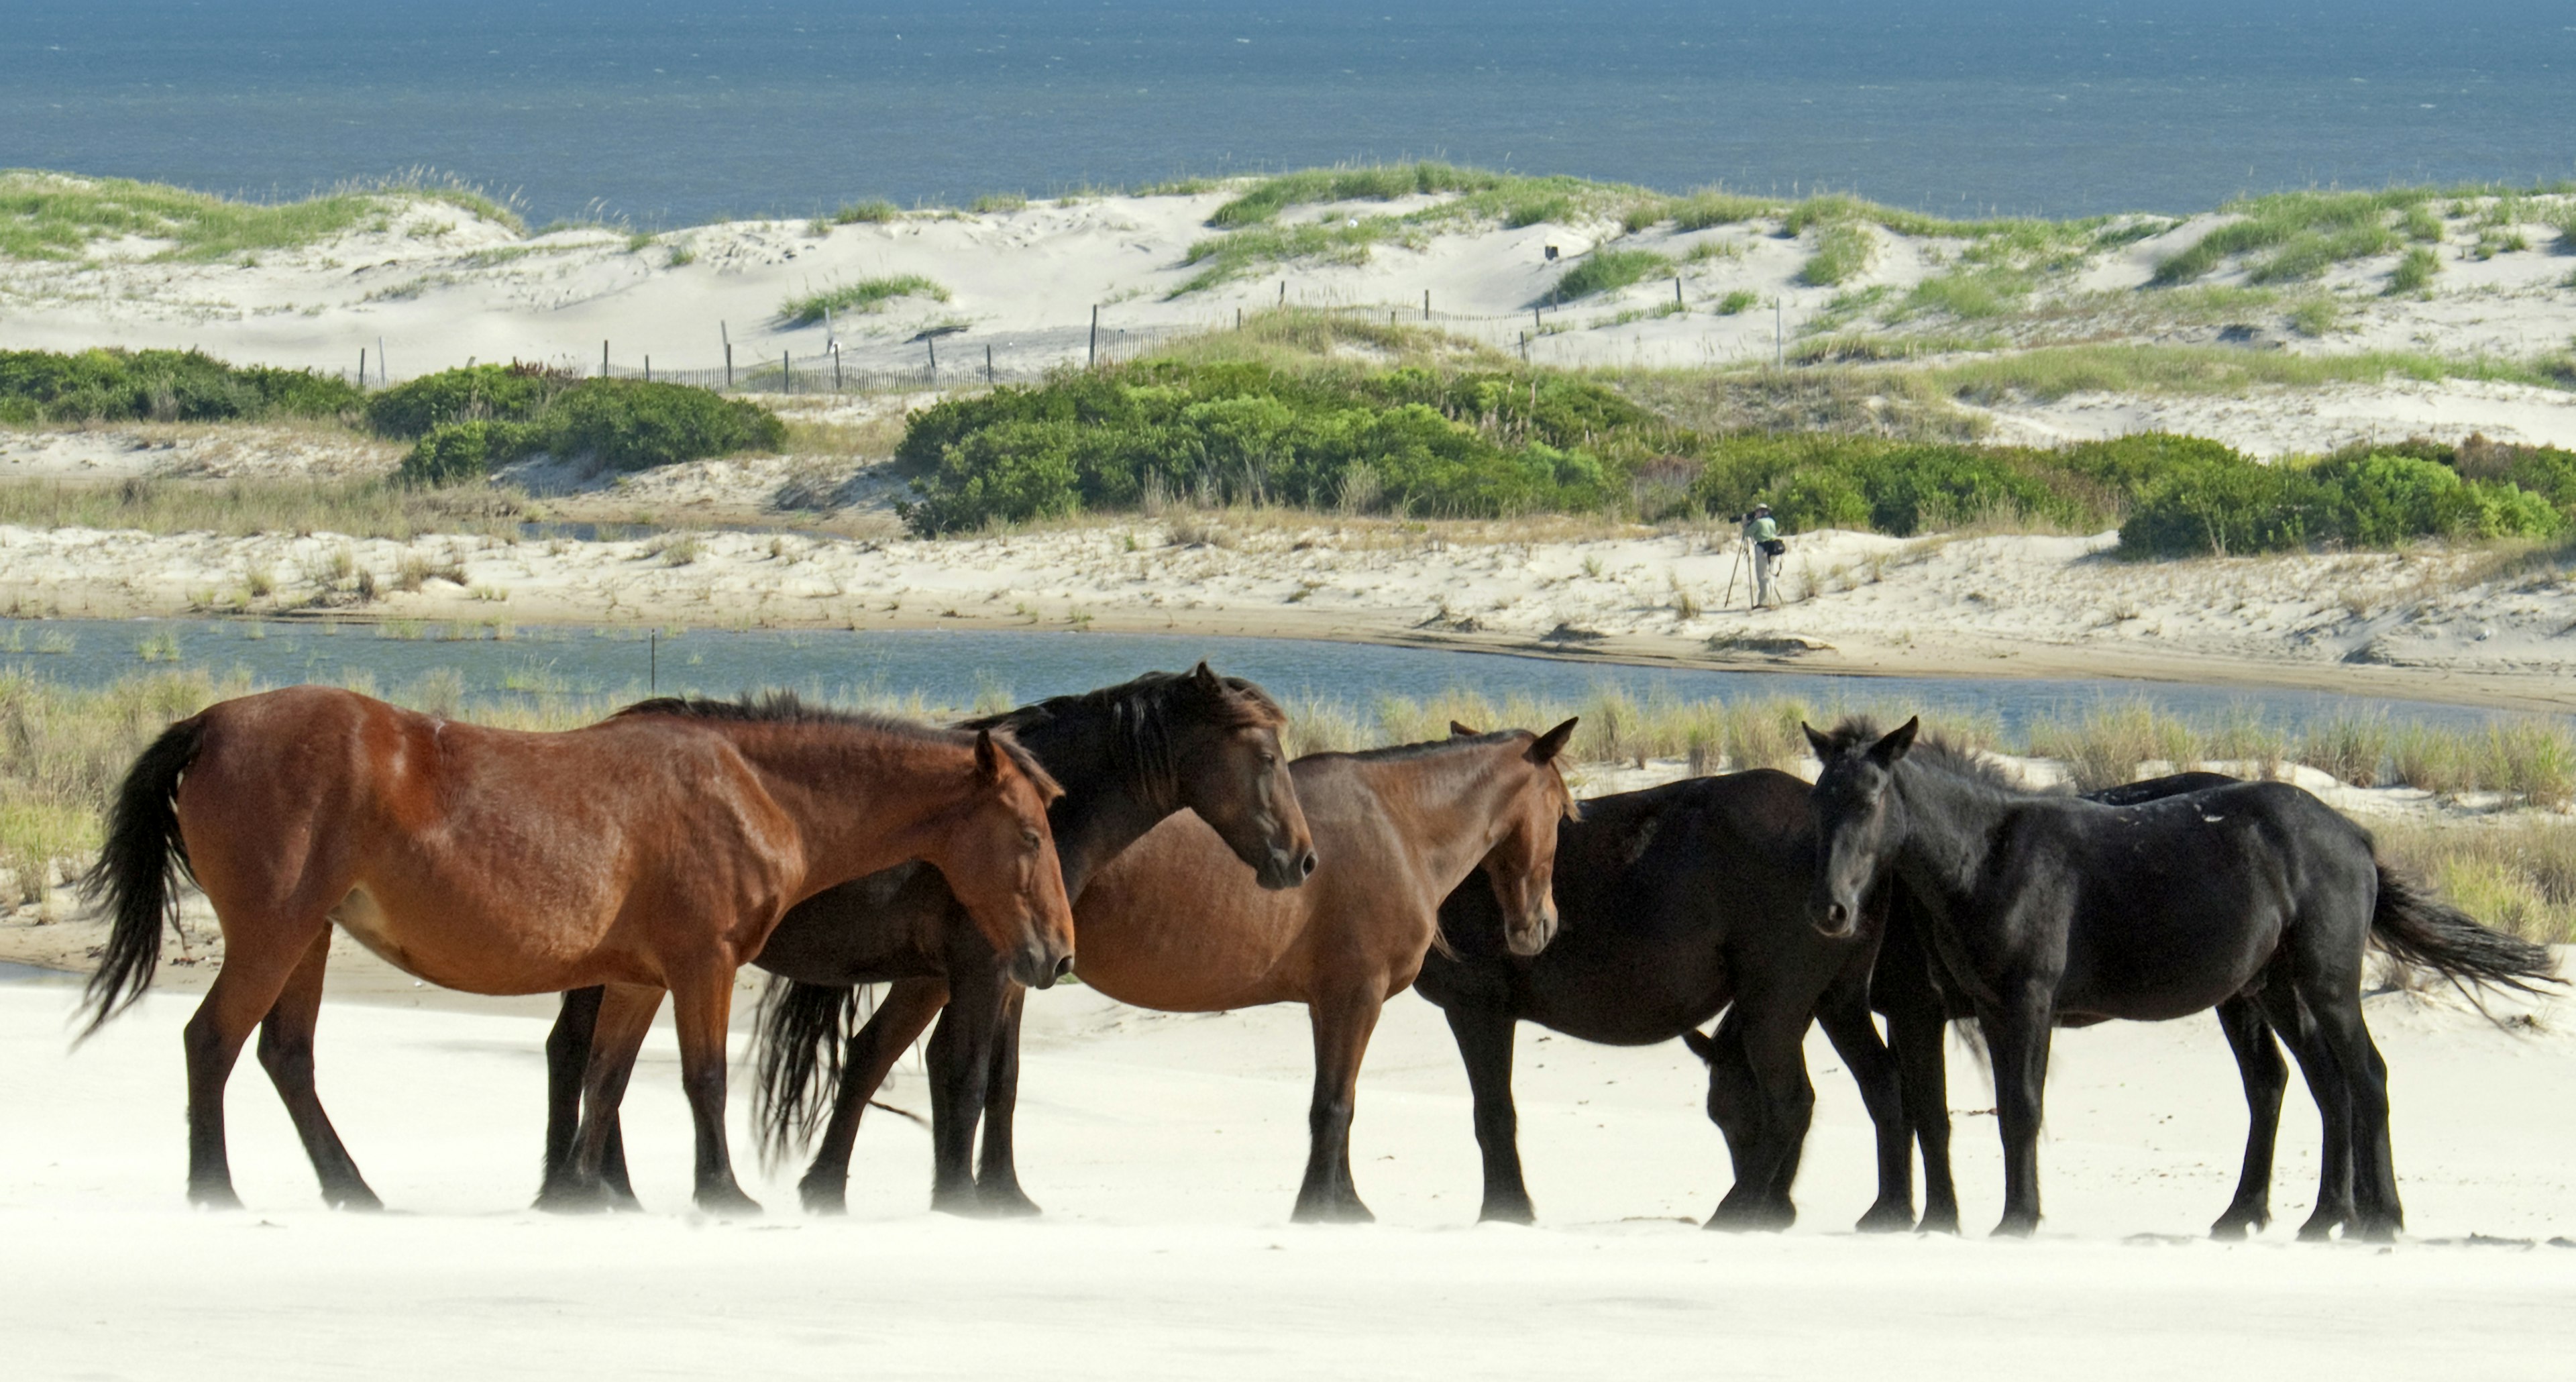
1916,1032
286,1052
567,1061
1845,1017
2258,1060
1766,1042
2298,1030
1484,1037
623,1015
873,1050
2018,1036
2335,1001
1342,1024
1735,1106
961,1068
701,1007
244,992
997,1173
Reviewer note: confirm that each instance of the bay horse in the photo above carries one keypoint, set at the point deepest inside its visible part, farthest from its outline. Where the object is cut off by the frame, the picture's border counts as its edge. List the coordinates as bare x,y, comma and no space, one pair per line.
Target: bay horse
1166,925
2047,910
1128,756
1676,903
653,851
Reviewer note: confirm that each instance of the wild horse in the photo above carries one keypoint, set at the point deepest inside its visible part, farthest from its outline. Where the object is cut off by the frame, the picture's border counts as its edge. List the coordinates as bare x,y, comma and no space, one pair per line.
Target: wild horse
1128,756
2044,911
1675,903
654,851
1166,925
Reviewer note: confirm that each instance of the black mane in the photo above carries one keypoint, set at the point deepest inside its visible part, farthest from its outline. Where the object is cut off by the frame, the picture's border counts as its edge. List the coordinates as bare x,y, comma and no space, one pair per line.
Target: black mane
1854,733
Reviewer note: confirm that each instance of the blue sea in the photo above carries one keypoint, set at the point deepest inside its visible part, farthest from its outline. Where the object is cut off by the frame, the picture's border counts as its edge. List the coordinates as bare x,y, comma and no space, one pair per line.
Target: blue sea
664,113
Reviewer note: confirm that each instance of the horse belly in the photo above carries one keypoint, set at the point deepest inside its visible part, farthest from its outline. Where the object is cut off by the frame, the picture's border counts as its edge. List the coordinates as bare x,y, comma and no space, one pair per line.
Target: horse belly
461,948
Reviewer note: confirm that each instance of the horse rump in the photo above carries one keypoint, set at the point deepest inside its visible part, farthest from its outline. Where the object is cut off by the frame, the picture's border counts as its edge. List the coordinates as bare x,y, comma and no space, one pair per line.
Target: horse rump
2420,929
135,879
803,1028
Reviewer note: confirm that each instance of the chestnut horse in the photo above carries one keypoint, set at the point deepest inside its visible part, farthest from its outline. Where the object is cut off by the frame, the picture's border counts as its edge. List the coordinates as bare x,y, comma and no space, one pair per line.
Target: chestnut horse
1129,755
654,851
1171,924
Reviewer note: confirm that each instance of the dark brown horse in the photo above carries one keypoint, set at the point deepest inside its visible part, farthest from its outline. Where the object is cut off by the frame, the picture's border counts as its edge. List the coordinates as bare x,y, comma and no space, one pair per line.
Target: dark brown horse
1170,924
1129,755
651,852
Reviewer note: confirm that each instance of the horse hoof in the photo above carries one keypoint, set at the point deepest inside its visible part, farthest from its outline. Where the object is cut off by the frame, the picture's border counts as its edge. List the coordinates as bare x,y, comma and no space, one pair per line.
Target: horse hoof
1507,1212
1886,1218
360,1200
822,1198
1006,1202
1334,1212
2017,1226
572,1199
218,1197
1940,1221
728,1202
2320,1226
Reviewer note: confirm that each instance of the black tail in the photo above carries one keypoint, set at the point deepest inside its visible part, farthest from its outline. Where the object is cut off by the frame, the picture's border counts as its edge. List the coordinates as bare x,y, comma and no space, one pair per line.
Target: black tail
137,872
802,1030
2421,929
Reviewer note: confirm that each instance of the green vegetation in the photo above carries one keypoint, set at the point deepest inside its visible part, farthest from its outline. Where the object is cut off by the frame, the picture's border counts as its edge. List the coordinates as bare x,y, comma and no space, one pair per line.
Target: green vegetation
2054,372
1607,270
38,386
876,211
1701,210
472,420
1843,252
1969,294
2305,233
1737,301
866,295
993,203
2414,272
57,215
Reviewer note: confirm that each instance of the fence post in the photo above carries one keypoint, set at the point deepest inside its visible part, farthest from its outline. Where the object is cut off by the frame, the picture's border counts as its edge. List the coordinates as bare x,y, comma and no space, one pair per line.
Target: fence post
603,359
1238,319
836,366
1095,336
1677,293
1426,304
1779,350
932,342
648,369
381,377
362,368
727,333
988,364
1535,324
1524,347
786,372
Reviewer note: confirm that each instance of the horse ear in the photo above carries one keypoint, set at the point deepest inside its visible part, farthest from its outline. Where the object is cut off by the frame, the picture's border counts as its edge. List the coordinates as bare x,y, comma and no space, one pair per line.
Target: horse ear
1459,731
1206,677
1702,1046
1891,750
1552,743
988,757
1823,746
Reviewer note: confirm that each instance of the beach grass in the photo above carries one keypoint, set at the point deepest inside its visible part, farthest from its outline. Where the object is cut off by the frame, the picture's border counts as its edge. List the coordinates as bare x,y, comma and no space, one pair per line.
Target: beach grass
875,211
2056,371
1843,251
865,295
1607,270
362,508
60,216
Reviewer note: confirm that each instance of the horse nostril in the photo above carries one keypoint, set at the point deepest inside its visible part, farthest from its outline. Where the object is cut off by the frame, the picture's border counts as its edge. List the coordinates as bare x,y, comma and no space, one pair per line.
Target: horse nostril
1838,914
1064,966
1306,864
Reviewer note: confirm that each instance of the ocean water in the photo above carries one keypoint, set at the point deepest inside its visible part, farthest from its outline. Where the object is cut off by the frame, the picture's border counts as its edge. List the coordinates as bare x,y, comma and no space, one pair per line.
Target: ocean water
666,113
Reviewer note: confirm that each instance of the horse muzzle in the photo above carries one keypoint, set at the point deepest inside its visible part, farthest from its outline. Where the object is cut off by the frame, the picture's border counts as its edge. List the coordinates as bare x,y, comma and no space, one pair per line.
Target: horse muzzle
1834,920
1038,966
1285,868
1532,936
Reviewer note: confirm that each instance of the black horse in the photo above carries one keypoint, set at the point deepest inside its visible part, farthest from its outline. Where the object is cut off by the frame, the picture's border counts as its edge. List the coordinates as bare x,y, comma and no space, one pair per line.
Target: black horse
1674,903
1127,756
2047,910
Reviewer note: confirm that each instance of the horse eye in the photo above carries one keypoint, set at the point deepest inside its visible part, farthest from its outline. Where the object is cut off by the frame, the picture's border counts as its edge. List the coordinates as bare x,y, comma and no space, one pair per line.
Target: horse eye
1029,838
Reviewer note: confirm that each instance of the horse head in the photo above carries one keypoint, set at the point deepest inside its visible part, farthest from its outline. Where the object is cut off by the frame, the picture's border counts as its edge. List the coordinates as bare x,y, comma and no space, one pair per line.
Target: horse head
1522,864
1859,821
1230,769
1000,861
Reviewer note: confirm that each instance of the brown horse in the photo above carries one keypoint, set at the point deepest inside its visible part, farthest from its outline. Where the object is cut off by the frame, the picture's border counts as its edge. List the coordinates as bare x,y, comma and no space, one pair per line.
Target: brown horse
1173,923
652,852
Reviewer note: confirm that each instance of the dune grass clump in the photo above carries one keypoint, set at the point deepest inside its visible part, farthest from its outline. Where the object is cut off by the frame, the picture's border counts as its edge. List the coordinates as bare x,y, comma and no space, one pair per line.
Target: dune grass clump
1367,183
1844,250
2299,234
875,211
59,216
1608,270
2414,271
41,386
866,295
2517,876
240,508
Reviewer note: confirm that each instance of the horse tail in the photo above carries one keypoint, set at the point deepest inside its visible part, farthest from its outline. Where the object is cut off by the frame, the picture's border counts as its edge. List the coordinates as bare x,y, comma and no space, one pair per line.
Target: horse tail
135,877
2421,929
801,1029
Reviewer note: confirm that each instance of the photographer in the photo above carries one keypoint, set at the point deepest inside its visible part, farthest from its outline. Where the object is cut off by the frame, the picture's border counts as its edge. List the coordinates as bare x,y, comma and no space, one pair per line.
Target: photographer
1761,535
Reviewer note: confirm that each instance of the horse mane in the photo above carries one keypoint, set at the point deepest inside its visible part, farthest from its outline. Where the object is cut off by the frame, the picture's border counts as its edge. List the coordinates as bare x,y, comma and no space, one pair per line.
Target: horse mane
786,707
1855,733
1140,714
1397,753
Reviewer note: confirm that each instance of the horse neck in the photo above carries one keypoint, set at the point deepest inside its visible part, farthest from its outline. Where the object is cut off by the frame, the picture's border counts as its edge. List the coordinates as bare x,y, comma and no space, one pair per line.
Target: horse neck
1452,800
1949,832
862,799
1109,802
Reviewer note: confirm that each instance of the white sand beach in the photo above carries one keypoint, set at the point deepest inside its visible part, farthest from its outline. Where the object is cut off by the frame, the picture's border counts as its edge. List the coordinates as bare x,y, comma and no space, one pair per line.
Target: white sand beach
1166,1151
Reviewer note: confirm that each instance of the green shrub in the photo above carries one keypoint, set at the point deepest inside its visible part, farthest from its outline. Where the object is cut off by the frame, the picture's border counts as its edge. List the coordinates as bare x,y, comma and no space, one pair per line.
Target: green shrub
455,452
1606,271
162,385
469,393
631,424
